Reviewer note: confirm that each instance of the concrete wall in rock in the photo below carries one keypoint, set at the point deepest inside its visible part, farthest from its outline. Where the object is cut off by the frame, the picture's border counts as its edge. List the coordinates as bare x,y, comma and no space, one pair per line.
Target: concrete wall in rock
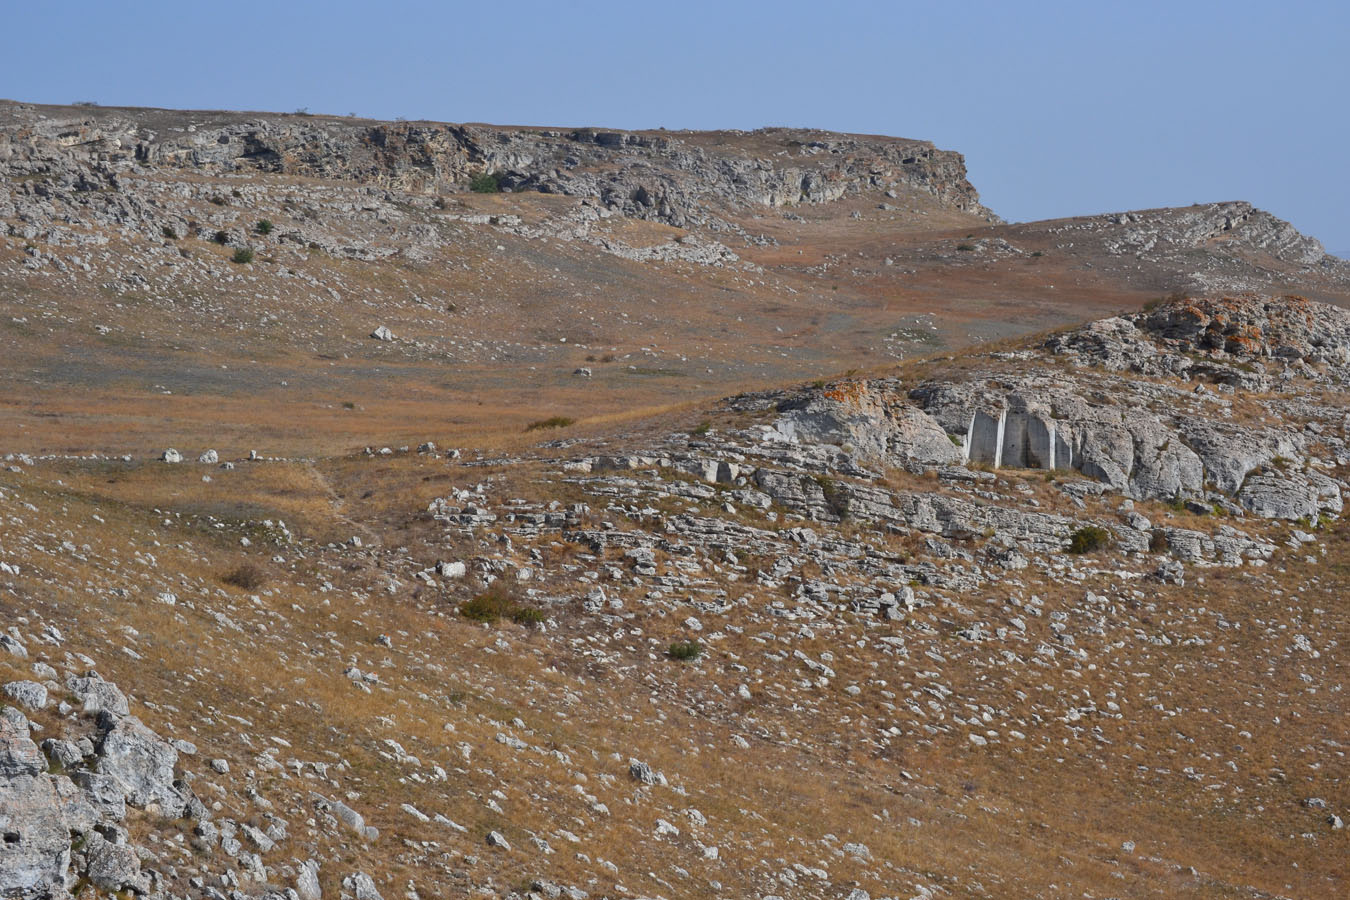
1017,440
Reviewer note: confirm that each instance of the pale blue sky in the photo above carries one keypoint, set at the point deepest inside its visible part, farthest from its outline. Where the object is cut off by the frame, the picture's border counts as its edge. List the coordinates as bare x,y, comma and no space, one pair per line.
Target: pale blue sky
1060,108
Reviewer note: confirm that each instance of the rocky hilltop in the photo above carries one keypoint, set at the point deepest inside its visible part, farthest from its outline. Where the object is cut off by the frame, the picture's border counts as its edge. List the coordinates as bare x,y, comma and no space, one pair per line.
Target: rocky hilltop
678,178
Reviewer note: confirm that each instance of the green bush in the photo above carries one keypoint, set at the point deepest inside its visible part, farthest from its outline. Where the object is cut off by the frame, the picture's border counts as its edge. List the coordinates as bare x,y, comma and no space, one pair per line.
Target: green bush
500,602
685,651
552,422
485,183
1089,538
243,255
527,615
263,227
702,428
966,248
836,497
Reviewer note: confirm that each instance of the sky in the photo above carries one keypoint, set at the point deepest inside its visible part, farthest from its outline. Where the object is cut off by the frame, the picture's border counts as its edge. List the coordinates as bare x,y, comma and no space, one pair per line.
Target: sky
1060,108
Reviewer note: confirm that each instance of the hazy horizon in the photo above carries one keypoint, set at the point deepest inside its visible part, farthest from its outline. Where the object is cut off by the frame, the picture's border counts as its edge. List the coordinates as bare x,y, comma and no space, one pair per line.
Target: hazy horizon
1060,110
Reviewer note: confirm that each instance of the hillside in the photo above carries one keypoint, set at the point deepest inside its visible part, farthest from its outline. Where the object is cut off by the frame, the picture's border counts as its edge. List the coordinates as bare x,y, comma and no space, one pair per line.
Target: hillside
698,515
673,266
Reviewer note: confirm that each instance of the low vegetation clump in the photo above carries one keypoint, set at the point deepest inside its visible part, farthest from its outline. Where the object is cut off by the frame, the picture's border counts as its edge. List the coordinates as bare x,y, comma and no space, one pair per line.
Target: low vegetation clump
1088,539
527,615
685,651
836,497
966,248
242,255
500,603
246,577
263,227
551,422
485,183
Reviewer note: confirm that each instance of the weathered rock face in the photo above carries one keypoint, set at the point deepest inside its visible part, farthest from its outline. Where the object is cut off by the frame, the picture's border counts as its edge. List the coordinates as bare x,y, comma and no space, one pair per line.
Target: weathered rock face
34,838
1233,227
869,421
141,765
1145,439
98,695
672,177
43,814
1228,340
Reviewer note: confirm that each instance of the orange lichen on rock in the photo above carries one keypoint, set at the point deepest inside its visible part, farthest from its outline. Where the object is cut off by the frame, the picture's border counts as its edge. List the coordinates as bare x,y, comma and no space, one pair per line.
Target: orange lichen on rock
849,392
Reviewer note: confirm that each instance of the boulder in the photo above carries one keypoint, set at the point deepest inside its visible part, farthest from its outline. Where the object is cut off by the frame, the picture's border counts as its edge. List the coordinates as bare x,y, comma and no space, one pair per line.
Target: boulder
141,764
97,695
28,694
307,881
112,867
34,834
869,421
362,886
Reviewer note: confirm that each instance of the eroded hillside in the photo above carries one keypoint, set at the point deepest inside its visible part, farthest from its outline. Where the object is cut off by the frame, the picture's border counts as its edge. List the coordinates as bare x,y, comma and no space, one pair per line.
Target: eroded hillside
410,510
923,663
670,265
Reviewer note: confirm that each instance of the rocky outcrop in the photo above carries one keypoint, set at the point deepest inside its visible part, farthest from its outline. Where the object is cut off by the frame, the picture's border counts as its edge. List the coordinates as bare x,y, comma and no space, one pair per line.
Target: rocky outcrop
870,421
679,178
1171,233
1150,438
34,838
60,813
1227,340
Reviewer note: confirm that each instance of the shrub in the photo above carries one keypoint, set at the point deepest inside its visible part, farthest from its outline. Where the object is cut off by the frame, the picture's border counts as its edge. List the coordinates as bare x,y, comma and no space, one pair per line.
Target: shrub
702,428
246,577
527,615
499,602
222,238
488,606
965,248
485,183
1089,538
169,232
263,227
685,651
836,498
242,255
552,422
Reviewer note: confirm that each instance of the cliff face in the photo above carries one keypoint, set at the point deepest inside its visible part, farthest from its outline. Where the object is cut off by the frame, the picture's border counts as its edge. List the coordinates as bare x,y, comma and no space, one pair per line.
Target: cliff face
680,178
